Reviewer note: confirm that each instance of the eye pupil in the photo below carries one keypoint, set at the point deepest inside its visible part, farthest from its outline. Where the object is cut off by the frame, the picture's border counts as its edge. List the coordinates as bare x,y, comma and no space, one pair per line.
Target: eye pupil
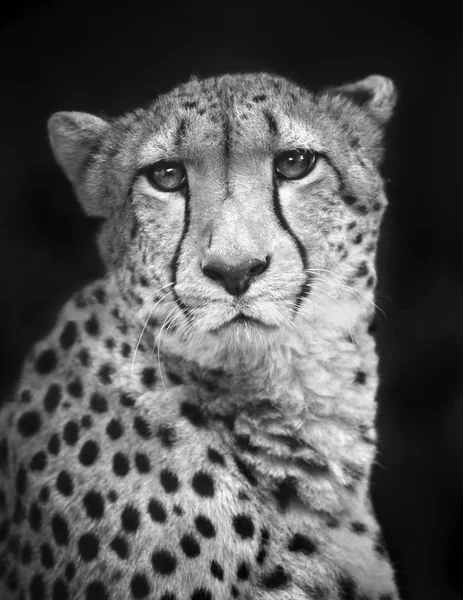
168,177
294,164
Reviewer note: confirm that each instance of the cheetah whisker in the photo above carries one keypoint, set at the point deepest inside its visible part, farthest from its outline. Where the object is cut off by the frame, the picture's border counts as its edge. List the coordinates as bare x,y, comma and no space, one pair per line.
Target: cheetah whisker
144,328
324,294
158,342
296,313
344,285
149,297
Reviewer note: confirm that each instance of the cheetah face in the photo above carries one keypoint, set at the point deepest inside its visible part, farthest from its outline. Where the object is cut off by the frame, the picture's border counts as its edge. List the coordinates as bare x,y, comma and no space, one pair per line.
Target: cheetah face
237,207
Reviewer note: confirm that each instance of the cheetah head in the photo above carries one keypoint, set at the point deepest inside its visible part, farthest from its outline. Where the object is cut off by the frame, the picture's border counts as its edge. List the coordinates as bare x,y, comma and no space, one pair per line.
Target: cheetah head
238,208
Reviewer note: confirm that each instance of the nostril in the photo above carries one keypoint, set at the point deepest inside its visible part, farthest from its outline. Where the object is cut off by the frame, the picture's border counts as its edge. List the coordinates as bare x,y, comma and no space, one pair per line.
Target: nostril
260,267
213,274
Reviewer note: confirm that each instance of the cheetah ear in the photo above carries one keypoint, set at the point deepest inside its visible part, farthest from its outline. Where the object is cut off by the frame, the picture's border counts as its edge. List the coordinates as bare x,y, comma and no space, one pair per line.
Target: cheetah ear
74,138
376,93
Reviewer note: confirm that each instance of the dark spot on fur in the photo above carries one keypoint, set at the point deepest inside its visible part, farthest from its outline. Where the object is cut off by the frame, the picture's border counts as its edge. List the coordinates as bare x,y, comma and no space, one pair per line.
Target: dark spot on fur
358,527
245,470
216,570
244,443
89,453
301,543
29,423
105,374
362,269
96,591
94,505
243,526
169,481
46,362
174,378
163,562
180,133
312,466
271,121
276,579
142,463
349,200
127,400
68,335
166,435
54,444
380,547
88,547
52,398
190,546
148,377
60,530
139,586
193,413
134,229
285,492
215,457
98,403
205,526
109,343
92,327
360,377
84,357
114,429
157,511
71,433
100,295
38,461
121,465
201,594
64,483
347,589
130,519
75,388
142,427
203,484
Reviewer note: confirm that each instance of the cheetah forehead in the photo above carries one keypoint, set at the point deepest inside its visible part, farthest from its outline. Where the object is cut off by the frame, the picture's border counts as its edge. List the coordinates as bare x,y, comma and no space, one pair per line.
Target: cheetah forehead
243,90
252,110
246,114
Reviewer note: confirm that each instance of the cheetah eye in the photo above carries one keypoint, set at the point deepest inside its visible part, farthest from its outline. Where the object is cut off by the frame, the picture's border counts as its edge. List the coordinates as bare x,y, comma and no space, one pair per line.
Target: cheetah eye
294,164
167,176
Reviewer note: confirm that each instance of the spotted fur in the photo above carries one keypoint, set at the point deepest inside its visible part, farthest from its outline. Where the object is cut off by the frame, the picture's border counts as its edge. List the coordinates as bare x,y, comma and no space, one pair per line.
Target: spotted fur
170,440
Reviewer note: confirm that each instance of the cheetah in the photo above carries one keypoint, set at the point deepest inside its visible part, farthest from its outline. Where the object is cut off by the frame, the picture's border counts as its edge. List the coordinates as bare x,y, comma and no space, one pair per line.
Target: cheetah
199,424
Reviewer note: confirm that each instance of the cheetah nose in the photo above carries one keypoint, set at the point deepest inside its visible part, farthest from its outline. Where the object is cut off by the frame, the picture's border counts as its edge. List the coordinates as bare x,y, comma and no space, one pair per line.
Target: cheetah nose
236,279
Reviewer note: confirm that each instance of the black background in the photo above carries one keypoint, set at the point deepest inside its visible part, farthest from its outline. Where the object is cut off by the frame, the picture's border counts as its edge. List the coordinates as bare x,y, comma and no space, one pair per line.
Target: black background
108,57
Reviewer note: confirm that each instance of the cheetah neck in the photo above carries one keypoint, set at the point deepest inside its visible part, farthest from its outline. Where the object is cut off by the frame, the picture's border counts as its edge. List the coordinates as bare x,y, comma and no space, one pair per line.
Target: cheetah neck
294,413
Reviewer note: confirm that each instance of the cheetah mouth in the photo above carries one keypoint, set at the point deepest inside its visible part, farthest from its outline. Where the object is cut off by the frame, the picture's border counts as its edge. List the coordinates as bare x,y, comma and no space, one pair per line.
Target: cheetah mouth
244,321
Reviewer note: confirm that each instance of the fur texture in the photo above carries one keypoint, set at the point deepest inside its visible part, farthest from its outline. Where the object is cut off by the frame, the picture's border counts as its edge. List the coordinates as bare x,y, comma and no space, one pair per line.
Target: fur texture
170,439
